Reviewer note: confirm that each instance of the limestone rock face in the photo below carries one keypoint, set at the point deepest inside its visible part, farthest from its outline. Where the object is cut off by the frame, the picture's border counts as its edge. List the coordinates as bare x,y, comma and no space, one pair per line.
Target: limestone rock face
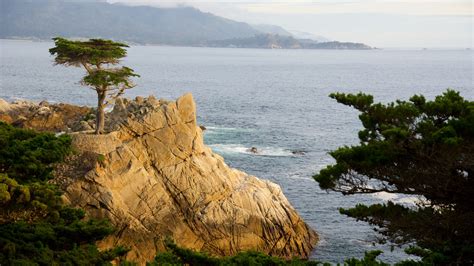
153,177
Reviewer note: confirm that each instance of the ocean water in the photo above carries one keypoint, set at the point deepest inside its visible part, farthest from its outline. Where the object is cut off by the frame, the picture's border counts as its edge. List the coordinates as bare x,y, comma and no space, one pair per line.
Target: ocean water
275,100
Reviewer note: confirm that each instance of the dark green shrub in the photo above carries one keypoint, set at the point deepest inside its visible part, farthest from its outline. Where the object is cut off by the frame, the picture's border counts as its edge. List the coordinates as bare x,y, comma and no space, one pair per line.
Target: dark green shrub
36,228
181,256
28,156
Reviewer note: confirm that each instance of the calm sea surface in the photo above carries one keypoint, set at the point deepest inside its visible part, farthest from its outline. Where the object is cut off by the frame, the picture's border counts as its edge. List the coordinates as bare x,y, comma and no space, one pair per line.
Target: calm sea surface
275,100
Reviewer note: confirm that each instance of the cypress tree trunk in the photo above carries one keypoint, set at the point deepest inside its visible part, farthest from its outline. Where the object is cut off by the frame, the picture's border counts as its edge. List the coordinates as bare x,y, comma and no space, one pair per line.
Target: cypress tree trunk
100,116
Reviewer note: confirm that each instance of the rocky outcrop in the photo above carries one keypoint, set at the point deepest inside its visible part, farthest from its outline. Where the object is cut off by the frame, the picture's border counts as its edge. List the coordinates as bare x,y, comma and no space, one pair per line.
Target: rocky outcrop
154,178
45,116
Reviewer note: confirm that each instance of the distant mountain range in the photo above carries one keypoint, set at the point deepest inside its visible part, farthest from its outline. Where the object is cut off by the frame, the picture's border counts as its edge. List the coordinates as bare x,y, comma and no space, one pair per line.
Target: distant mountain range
183,26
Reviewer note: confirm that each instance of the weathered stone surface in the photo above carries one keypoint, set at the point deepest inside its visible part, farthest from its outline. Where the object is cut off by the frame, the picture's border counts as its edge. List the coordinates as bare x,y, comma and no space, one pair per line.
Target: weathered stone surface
159,180
4,106
153,177
43,116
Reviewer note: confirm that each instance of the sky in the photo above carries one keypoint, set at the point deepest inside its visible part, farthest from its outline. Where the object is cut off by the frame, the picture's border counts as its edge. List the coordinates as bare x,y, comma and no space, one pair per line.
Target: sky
379,23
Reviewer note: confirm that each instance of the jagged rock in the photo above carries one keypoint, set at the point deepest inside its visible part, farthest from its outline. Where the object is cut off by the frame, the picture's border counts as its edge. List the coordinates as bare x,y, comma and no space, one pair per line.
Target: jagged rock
5,118
4,106
20,102
154,178
82,126
253,150
43,110
152,100
139,100
298,152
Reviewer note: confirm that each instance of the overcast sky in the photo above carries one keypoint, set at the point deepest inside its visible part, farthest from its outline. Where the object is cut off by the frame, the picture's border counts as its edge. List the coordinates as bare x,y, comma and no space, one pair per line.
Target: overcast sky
380,23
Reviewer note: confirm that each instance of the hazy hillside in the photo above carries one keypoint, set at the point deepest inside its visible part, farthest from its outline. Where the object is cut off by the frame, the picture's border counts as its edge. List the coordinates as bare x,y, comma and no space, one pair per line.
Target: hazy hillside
44,19
306,35
272,29
275,41
185,26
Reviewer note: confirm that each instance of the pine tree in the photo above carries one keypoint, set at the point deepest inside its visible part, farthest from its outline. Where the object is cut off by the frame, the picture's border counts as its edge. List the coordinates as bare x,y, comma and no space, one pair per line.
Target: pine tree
98,57
414,147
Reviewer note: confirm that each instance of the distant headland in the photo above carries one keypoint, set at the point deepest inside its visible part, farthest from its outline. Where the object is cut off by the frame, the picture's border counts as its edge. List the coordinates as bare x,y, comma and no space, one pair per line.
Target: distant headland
146,25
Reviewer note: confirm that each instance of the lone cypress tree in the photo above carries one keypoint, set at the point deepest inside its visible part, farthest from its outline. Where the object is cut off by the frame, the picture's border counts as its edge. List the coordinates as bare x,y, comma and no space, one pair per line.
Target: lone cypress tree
415,147
97,56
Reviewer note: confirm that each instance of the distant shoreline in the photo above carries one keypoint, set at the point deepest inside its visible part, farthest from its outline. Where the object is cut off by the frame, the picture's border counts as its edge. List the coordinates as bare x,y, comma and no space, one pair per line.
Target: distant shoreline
237,43
195,46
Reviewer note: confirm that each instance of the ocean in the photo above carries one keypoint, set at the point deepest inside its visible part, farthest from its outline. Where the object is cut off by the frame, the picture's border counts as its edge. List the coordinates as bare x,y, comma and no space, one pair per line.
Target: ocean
274,100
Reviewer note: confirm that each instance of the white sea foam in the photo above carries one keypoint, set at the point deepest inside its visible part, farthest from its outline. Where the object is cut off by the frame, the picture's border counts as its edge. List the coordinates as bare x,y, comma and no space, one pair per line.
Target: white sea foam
409,200
216,130
212,128
385,196
262,151
397,198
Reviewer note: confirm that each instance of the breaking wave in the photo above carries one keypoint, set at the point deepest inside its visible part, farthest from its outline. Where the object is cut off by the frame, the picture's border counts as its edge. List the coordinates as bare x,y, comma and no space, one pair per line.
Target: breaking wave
261,151
398,198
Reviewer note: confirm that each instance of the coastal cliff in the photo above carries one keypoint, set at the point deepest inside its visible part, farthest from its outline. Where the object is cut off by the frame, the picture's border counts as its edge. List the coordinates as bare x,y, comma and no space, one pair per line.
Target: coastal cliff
152,176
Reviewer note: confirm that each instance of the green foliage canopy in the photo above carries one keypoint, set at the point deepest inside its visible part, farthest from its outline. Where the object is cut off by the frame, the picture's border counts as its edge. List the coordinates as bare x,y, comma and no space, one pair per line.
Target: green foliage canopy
415,147
110,78
94,51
